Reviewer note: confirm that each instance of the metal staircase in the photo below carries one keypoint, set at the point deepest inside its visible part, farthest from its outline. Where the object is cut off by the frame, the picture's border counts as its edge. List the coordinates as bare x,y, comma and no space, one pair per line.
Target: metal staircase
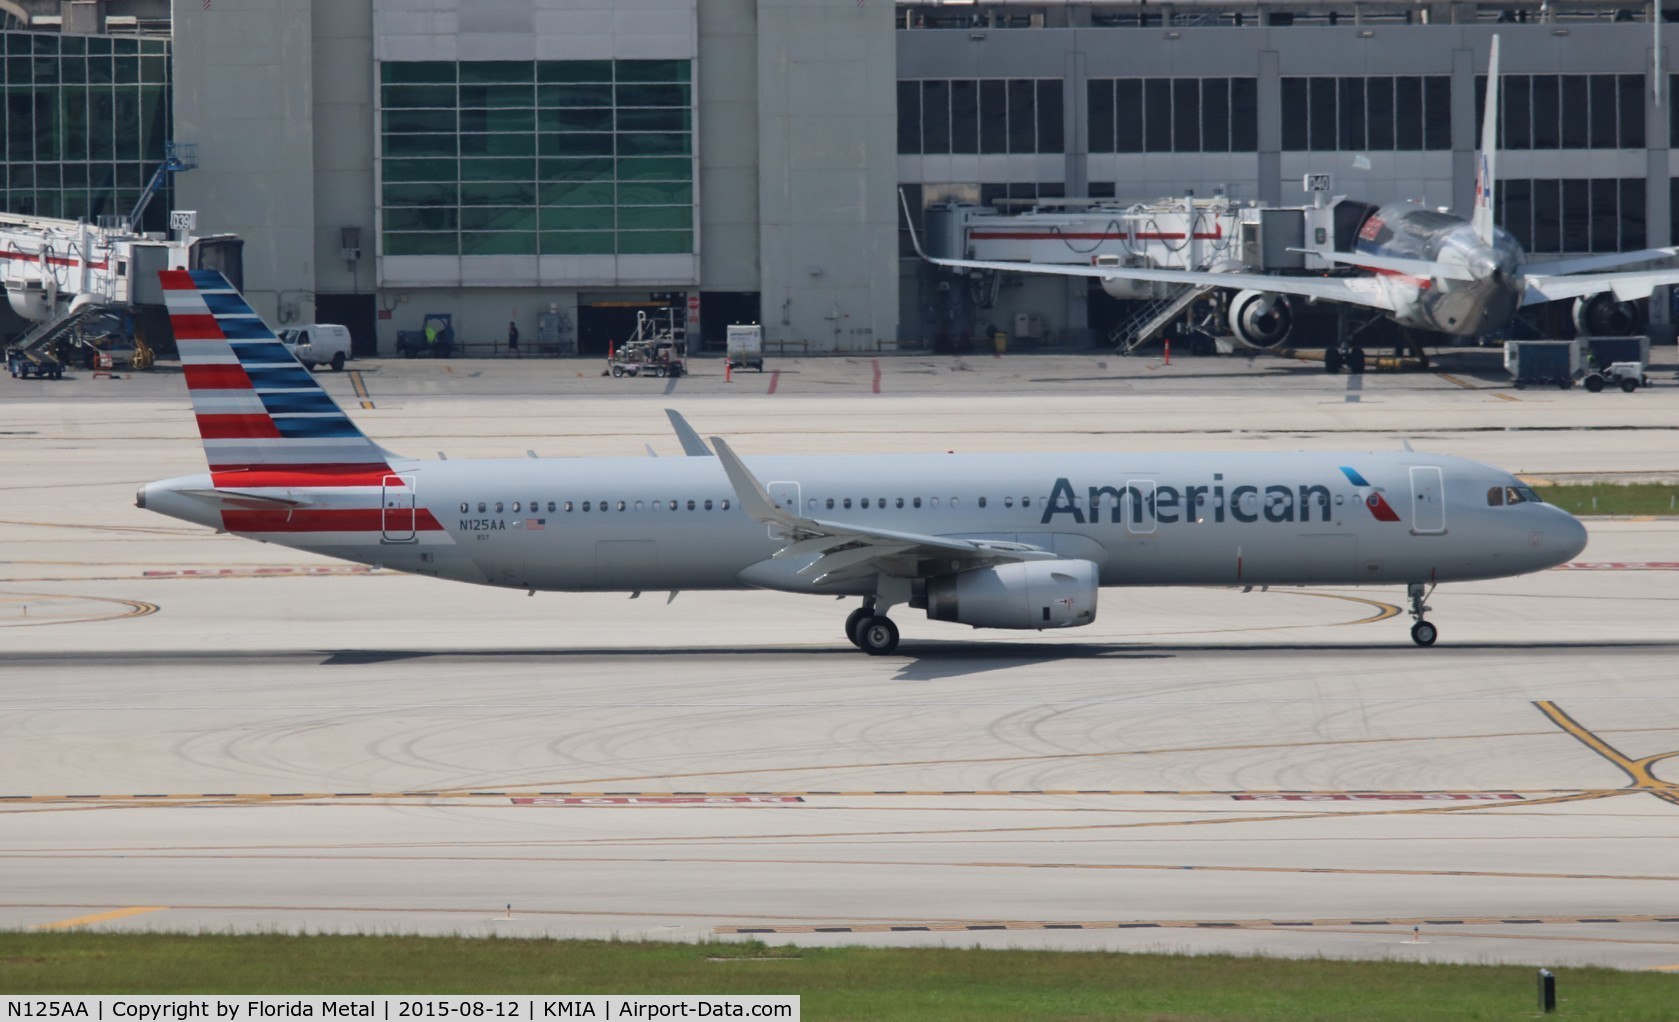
1150,318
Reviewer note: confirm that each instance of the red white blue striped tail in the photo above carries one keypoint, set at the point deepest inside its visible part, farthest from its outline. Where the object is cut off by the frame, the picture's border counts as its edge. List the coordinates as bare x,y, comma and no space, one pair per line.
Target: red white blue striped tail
258,409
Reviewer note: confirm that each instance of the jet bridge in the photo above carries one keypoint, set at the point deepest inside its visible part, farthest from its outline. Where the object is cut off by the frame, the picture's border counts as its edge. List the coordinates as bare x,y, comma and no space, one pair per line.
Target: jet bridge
60,275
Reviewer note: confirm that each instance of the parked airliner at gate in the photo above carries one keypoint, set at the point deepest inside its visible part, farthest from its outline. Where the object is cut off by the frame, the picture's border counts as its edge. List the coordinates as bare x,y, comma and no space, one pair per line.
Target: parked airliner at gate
992,541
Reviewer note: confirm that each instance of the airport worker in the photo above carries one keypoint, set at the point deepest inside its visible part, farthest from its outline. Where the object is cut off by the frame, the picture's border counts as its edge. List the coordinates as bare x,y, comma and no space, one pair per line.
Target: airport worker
513,338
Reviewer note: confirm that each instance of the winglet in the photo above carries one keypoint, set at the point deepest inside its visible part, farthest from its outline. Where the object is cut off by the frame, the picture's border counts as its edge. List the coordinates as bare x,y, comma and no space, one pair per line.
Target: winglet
1486,180
754,499
909,221
692,445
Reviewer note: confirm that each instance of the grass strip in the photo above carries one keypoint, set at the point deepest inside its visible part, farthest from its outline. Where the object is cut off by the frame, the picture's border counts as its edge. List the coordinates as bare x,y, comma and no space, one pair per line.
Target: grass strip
881,984
1612,498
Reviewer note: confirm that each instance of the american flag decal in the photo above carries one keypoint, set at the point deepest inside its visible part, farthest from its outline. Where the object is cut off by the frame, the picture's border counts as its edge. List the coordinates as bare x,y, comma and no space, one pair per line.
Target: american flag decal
536,523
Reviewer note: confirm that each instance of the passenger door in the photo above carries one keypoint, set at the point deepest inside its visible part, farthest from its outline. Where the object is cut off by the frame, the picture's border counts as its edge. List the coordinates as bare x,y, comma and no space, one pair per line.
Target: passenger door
1428,501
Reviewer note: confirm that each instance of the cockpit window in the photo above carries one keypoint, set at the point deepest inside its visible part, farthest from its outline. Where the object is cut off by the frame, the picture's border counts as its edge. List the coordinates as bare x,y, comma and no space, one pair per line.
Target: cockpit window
1500,496
1495,497
1525,494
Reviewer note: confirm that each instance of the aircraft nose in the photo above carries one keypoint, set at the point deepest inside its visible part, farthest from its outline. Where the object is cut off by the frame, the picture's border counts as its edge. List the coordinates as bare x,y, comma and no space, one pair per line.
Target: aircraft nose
1571,537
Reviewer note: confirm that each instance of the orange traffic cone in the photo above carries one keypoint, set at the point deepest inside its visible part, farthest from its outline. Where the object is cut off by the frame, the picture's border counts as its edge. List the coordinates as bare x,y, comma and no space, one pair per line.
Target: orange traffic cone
1167,344
728,371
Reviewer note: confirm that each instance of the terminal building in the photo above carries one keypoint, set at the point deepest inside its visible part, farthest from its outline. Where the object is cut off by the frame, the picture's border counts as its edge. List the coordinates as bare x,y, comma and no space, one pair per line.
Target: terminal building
564,164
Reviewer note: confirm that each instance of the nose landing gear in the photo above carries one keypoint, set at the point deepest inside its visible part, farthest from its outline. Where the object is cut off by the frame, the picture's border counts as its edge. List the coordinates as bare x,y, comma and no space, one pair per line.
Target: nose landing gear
1423,633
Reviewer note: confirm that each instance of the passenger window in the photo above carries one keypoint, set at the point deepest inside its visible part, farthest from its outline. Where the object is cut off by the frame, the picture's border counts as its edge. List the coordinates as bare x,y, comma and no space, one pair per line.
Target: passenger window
465,507
708,505
725,503
917,502
602,505
830,503
498,507
690,505
515,506
640,505
847,503
1008,502
480,507
881,503
567,506
1340,498
953,502
900,502
982,502
1026,502
620,505
935,502
865,503
585,505
658,505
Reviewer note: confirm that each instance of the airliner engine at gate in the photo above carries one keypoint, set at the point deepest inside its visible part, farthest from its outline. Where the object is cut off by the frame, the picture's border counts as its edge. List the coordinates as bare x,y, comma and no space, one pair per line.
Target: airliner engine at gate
992,541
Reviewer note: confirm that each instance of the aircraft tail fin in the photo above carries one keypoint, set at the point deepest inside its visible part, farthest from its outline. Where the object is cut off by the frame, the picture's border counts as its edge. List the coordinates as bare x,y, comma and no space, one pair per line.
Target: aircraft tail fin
1486,167
258,409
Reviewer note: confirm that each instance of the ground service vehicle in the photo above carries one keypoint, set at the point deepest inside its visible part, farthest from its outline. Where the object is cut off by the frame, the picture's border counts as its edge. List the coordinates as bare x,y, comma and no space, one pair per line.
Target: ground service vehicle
436,337
1628,376
315,343
746,346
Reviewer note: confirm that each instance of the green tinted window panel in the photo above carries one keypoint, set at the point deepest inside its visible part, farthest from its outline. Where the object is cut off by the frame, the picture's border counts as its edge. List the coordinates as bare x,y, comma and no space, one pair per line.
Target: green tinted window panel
420,170
419,145
438,194
44,45
652,71
653,95
574,95
576,193
126,70
75,175
154,123
498,218
129,175
422,244
576,242
654,119
47,175
498,193
49,204
492,96
574,119
99,44
655,218
72,44
654,144
417,72
99,70
501,119
154,46
499,243
22,175
577,218
125,123
568,71
74,103
421,218
72,70
656,193
490,71
575,144
19,70
125,46
407,96
46,125
651,242
656,169
400,121
154,70
46,70
593,169
498,145
491,169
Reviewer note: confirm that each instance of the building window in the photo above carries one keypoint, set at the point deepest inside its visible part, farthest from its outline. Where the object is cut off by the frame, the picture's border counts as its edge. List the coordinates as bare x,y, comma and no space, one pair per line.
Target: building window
1567,111
551,157
86,120
1405,112
1574,214
1183,115
986,115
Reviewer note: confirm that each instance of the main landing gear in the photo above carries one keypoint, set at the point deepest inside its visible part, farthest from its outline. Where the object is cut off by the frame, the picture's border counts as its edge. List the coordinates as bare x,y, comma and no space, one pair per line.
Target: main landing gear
874,634
1422,633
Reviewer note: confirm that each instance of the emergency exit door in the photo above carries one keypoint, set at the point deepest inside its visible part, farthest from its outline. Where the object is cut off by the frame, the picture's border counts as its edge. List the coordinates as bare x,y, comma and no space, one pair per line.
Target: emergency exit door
397,509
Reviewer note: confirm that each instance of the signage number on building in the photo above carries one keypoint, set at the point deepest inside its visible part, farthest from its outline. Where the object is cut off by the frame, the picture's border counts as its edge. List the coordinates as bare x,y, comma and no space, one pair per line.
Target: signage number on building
183,219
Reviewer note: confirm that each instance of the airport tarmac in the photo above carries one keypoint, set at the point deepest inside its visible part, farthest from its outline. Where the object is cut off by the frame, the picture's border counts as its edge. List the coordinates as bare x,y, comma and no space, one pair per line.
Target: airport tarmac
204,733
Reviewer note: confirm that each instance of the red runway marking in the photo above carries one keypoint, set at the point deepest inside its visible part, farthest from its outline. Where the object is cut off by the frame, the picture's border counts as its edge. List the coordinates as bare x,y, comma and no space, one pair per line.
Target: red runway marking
876,364
775,378
661,800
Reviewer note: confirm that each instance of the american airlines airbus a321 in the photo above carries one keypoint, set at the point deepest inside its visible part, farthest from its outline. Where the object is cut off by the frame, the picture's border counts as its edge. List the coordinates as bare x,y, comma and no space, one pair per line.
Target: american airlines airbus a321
992,541
1431,272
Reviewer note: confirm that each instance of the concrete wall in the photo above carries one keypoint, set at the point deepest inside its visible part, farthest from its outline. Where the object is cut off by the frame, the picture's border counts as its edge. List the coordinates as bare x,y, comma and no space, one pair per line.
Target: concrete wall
244,92
345,135
827,188
727,129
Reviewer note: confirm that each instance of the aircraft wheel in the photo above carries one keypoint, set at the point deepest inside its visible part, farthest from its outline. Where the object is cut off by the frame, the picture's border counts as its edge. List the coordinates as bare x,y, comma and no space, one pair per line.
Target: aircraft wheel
1629,385
853,621
338,362
1332,360
1423,633
1594,383
877,636
1355,361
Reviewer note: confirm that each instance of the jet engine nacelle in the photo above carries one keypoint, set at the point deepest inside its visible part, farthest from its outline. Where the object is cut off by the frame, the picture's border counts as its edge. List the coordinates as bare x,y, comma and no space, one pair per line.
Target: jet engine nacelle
1261,319
1026,594
1600,315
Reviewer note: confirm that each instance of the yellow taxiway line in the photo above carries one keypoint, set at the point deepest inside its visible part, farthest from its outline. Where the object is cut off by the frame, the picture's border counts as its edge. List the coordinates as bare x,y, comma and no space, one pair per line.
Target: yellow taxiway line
101,917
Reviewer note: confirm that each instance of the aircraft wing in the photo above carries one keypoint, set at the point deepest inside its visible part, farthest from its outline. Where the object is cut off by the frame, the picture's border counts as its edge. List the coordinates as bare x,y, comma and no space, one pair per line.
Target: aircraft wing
1365,291
843,550
1587,264
1627,286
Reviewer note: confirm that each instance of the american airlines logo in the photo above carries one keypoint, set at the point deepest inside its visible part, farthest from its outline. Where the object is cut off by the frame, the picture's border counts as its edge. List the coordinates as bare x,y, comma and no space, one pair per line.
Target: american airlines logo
1141,501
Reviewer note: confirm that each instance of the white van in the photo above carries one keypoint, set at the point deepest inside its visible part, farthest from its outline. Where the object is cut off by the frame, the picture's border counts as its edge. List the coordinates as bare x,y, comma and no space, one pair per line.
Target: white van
314,343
